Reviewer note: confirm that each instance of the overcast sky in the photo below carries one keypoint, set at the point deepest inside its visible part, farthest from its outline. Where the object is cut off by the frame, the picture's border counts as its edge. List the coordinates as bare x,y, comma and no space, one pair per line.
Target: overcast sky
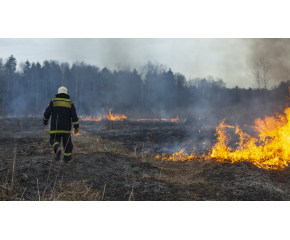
220,58
227,56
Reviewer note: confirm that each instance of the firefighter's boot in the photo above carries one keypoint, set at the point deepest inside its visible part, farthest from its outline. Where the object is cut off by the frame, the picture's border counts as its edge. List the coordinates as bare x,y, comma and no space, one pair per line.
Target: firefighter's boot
66,157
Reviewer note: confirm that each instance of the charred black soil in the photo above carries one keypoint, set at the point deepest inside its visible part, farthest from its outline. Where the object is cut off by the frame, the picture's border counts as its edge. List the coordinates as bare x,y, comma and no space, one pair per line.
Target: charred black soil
116,161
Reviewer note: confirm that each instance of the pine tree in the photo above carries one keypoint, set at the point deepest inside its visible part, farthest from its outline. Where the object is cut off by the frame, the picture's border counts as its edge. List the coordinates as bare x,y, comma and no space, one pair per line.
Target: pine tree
10,68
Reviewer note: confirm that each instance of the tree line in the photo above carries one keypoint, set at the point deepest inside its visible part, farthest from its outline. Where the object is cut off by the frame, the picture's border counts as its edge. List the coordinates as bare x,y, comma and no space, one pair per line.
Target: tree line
154,91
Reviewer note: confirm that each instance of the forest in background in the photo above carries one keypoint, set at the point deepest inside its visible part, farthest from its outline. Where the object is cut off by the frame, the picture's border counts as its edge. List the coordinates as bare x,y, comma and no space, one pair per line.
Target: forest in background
153,92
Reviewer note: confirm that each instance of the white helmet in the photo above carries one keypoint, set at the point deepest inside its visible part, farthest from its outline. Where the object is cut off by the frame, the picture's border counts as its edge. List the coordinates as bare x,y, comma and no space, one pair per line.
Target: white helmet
62,90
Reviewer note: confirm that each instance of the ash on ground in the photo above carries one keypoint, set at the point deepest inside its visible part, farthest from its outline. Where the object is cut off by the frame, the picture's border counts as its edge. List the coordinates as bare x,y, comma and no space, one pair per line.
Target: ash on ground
117,159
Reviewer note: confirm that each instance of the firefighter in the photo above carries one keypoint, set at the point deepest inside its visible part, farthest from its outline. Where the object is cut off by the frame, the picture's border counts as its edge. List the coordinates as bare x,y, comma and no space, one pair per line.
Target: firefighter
63,113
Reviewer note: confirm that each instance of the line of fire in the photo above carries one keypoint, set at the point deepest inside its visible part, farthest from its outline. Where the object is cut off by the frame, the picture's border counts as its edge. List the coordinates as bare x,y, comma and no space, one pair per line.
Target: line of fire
270,149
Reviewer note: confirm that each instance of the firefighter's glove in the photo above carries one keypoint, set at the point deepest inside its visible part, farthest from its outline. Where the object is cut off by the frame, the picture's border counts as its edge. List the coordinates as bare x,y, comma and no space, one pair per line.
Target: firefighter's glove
45,123
76,130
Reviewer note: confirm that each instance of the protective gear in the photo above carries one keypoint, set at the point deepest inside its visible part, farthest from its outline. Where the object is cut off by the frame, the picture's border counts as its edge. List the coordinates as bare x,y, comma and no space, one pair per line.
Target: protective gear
63,115
55,141
65,161
76,130
62,90
44,123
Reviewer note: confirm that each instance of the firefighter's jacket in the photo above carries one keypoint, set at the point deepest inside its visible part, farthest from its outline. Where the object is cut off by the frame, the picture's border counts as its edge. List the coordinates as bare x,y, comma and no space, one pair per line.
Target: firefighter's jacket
63,114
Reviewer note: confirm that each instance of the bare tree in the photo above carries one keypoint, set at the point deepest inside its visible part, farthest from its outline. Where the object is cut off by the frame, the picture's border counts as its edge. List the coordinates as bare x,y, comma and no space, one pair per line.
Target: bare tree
266,79
261,73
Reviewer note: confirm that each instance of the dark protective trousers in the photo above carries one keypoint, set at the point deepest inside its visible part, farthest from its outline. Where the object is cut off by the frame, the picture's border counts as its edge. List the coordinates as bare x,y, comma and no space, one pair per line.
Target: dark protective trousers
55,141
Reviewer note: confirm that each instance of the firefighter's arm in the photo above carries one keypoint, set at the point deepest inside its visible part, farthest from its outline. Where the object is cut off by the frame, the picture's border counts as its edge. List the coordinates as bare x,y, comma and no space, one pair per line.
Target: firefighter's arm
74,117
47,113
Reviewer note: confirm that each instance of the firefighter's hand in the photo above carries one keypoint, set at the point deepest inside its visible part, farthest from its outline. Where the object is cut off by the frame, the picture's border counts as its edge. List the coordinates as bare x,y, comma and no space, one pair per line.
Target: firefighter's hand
45,123
76,130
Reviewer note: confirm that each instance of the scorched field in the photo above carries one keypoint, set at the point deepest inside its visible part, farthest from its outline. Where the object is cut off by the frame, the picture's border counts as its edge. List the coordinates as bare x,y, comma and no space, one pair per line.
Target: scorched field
145,160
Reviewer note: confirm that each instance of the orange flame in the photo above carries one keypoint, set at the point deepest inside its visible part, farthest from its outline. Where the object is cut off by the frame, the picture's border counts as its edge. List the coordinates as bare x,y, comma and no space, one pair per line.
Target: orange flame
174,119
269,150
78,134
178,156
115,117
110,116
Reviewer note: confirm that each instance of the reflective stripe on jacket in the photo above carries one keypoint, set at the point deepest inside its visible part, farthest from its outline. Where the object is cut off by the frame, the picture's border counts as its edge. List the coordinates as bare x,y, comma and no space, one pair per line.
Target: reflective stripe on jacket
63,114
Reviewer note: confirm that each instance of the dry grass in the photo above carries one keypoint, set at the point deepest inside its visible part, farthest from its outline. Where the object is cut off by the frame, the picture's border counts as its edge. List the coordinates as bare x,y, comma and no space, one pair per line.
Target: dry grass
190,176
183,174
180,174
7,193
75,191
97,145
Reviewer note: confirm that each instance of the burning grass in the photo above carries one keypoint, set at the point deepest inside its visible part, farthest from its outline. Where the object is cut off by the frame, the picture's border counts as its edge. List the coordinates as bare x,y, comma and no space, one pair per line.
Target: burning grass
270,149
110,116
107,162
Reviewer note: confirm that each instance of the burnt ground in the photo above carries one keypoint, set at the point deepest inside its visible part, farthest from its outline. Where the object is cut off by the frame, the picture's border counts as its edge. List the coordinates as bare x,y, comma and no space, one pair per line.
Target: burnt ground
116,161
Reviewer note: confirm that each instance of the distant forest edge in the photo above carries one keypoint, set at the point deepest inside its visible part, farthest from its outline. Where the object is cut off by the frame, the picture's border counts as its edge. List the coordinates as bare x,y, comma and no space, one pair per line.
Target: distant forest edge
153,92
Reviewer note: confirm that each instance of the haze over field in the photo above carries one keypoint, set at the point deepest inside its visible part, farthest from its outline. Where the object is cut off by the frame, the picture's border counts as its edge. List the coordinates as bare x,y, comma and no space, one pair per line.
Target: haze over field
228,59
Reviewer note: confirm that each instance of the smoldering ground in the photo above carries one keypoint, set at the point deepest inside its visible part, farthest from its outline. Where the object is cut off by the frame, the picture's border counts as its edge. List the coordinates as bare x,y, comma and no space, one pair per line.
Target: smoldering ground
112,164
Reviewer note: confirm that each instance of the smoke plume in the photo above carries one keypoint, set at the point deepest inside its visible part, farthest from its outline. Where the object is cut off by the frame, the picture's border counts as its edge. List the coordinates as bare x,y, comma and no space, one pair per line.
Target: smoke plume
277,51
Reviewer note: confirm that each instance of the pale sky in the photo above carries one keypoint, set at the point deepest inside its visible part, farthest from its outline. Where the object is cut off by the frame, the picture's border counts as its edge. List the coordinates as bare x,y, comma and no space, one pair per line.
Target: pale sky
195,57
